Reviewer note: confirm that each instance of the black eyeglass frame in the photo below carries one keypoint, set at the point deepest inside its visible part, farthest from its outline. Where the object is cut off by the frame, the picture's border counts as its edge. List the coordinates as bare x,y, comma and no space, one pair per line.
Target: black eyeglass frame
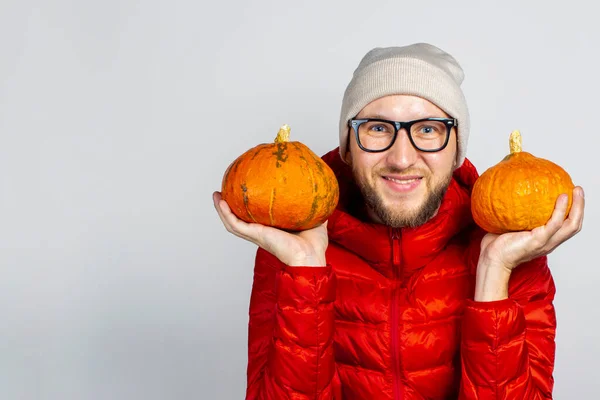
450,123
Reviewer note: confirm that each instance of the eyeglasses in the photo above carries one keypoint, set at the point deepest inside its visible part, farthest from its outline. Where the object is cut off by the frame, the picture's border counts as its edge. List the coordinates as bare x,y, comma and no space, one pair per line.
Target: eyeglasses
428,134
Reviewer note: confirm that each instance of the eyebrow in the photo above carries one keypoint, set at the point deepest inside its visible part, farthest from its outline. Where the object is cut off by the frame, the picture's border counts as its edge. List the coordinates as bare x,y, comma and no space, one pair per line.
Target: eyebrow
379,116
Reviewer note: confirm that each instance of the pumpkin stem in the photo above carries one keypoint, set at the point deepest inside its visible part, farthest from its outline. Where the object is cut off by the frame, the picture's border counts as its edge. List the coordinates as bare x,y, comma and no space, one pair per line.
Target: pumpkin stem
283,135
515,142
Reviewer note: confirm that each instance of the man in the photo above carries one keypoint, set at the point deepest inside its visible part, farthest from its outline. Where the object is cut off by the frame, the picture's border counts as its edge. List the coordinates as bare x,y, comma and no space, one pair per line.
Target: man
399,295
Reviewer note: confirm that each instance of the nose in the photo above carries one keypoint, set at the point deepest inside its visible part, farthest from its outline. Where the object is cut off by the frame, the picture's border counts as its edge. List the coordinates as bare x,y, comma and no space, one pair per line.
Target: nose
402,154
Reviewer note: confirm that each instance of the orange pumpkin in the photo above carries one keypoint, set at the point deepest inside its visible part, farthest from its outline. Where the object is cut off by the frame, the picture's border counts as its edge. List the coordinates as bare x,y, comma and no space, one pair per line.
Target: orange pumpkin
520,192
281,184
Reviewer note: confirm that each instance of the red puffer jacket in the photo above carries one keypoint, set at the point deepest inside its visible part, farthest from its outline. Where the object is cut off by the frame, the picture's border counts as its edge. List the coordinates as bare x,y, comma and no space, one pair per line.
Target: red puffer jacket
392,317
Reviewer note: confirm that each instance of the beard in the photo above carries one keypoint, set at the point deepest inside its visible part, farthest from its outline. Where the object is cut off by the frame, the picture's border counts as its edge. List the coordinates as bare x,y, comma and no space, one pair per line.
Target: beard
398,218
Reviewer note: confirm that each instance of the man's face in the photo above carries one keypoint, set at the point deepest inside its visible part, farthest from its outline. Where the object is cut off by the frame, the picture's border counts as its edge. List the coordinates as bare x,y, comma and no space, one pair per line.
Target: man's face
402,186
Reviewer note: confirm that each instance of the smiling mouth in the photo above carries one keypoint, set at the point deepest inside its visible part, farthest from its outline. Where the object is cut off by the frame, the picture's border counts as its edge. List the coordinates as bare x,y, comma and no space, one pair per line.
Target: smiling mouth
402,181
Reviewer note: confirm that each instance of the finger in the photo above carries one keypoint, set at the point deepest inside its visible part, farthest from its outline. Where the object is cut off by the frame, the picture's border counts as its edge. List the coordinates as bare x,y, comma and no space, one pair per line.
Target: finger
557,218
542,235
232,223
321,229
217,200
575,218
263,236
572,224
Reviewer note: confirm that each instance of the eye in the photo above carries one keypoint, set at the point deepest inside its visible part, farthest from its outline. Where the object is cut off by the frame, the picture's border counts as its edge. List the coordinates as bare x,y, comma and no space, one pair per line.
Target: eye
376,129
428,129
380,128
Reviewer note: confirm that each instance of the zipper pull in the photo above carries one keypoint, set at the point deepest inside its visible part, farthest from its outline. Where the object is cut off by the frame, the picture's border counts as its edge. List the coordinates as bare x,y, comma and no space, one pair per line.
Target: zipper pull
396,247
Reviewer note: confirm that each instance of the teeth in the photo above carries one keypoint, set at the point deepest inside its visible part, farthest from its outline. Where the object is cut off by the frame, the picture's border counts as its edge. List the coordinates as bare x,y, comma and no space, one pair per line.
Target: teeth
402,181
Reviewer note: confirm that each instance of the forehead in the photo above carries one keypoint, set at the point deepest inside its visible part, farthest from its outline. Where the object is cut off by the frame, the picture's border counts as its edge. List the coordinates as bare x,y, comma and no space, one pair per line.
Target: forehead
401,107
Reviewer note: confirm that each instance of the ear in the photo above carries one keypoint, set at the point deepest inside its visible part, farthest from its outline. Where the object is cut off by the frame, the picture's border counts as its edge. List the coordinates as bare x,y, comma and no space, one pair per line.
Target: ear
454,163
347,156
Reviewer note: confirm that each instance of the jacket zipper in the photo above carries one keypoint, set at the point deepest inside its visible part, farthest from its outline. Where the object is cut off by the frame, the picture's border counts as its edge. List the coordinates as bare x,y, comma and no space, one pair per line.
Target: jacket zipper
395,309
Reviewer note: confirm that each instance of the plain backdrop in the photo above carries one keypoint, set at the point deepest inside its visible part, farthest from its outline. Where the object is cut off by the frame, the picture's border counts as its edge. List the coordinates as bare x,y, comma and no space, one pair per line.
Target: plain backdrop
119,117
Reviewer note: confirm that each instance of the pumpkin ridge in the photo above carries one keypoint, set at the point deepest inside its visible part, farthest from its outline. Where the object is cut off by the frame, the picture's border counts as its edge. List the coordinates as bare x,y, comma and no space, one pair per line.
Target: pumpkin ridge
312,181
319,162
492,206
527,166
313,211
533,203
271,207
316,197
257,152
280,154
233,169
297,146
245,199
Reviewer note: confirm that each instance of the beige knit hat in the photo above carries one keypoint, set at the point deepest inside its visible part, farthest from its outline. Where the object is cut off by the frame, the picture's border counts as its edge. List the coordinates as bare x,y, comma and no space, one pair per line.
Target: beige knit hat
420,70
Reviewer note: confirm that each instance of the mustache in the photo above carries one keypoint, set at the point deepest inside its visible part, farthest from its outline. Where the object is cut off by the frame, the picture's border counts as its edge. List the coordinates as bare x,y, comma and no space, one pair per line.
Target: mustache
400,171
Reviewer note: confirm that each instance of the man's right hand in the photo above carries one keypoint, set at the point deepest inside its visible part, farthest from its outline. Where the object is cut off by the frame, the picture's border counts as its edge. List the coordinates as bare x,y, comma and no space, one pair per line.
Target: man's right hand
305,248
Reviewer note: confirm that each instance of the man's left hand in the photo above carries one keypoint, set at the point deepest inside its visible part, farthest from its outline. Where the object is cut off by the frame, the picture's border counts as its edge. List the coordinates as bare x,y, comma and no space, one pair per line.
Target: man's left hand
500,254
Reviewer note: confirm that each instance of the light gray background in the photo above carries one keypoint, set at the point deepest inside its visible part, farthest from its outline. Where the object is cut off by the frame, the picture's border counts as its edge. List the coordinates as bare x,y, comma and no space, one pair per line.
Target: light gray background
118,118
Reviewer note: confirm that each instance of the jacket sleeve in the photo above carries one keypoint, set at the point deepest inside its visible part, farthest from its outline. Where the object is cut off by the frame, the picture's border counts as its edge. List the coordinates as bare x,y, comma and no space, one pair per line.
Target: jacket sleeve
291,327
508,348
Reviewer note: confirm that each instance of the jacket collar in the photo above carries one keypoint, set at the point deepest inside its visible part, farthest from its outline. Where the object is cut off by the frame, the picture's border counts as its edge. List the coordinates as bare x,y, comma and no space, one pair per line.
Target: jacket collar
349,227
